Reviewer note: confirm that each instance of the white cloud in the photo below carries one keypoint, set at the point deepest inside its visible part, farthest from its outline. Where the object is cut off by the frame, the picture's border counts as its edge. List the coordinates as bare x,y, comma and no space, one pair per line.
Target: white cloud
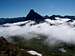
55,33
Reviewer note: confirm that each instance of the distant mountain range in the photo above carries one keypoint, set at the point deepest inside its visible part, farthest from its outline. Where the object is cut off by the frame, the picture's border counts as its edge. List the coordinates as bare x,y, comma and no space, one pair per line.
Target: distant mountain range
34,16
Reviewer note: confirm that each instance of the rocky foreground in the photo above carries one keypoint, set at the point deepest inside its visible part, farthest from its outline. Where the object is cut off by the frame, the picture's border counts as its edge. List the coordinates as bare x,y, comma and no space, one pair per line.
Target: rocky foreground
22,48
9,49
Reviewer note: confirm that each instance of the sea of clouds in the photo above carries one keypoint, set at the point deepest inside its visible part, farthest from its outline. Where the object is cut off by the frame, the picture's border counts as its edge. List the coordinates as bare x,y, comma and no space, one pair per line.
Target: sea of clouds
56,31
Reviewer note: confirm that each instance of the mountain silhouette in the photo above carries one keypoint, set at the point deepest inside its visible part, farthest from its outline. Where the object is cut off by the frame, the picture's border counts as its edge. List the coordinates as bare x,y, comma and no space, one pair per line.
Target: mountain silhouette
69,17
11,20
32,15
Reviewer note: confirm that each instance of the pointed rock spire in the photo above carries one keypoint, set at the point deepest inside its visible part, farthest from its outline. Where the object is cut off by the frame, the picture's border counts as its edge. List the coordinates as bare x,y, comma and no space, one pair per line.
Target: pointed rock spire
32,15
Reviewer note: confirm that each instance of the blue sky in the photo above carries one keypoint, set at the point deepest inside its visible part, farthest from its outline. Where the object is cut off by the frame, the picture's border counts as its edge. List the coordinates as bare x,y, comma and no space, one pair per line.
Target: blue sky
17,8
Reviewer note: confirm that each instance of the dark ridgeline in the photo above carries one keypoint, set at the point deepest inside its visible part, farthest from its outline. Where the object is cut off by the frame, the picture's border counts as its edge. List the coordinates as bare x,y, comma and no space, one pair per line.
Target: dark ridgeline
11,20
70,17
34,16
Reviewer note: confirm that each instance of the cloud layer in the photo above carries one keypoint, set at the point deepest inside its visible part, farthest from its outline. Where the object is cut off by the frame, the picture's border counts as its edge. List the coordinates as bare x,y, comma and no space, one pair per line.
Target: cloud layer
56,30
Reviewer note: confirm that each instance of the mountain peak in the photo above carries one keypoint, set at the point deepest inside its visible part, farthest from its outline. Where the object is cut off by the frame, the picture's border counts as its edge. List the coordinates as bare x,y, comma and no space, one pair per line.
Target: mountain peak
32,10
34,16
